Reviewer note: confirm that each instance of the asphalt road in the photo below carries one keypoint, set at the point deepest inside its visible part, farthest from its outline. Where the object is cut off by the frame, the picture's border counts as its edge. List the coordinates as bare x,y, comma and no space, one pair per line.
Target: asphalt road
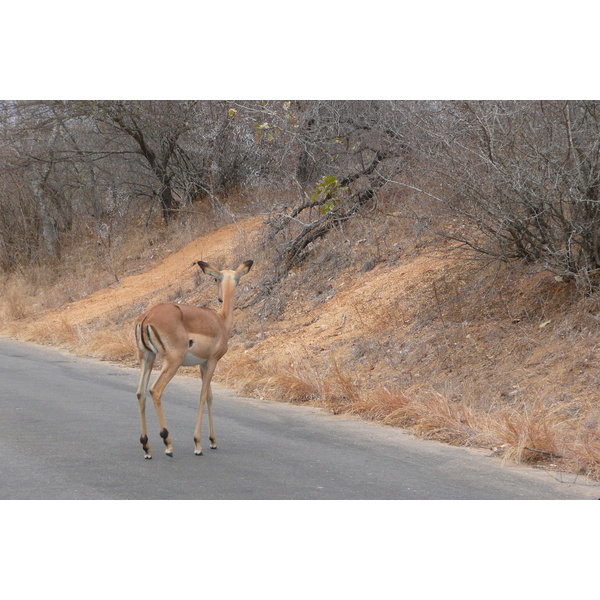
70,430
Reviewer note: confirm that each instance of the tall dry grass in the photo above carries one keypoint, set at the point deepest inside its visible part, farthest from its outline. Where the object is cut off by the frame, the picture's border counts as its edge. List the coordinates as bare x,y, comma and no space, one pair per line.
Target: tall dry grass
114,343
559,436
16,299
299,384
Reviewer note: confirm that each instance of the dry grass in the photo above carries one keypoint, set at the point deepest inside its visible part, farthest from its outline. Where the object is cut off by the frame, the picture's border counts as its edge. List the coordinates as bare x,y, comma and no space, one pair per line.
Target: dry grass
106,343
530,432
542,434
15,303
299,384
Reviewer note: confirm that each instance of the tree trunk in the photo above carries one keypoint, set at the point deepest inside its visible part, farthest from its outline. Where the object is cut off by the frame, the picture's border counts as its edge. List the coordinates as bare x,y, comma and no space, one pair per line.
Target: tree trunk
49,232
167,202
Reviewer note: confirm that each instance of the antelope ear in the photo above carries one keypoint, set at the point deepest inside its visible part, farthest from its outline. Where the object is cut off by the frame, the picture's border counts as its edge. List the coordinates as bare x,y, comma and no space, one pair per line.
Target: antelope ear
244,268
208,270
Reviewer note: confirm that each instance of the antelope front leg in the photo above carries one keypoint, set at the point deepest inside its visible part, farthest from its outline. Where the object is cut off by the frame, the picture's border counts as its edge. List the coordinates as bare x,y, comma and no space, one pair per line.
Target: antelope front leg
211,433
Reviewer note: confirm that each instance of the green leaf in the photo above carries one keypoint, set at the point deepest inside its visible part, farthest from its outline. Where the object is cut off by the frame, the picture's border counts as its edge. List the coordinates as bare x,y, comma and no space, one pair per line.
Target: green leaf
327,207
328,186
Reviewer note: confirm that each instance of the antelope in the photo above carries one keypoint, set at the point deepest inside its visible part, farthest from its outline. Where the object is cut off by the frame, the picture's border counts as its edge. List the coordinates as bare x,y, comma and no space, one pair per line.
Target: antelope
185,335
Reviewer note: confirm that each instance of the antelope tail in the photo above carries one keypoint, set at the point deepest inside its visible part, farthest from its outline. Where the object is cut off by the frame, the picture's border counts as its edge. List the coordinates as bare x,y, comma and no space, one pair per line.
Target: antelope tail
147,339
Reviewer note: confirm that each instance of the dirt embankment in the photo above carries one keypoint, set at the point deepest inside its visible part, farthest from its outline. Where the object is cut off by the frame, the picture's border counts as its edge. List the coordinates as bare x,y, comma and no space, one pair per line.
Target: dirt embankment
134,291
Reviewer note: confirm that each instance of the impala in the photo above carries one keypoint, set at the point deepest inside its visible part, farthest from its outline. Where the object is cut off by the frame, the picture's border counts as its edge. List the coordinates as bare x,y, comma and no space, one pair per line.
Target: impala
185,335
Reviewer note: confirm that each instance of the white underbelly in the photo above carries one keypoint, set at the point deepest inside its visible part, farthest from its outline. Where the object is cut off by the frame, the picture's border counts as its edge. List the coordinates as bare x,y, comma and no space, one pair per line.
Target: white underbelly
191,361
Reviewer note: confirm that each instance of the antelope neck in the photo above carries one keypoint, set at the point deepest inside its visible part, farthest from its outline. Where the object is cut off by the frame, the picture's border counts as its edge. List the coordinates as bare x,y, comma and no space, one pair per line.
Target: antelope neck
226,313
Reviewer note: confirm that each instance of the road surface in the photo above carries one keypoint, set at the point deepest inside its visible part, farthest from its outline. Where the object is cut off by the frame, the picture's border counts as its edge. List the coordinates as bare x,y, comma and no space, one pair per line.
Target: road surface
70,430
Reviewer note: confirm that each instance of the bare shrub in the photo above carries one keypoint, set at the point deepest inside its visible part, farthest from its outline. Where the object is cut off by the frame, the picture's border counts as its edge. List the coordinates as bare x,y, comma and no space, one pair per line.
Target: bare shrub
521,179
